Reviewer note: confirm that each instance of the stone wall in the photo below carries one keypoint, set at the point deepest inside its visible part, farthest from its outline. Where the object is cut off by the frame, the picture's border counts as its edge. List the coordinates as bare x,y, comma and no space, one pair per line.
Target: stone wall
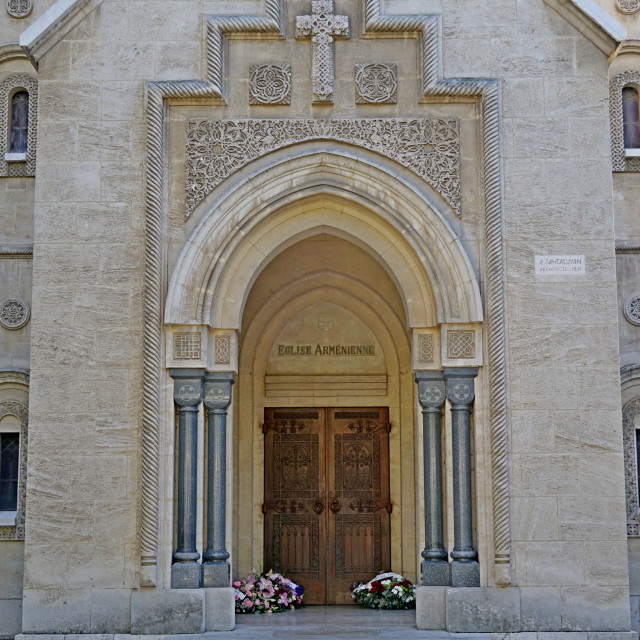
569,539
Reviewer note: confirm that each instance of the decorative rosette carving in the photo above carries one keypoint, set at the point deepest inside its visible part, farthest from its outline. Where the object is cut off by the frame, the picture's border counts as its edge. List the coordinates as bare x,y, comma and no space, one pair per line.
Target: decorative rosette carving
19,8
376,83
628,6
270,84
14,313
632,309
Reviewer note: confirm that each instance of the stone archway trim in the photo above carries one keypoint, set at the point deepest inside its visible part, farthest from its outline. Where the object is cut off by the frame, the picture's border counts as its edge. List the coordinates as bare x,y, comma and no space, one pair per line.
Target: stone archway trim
216,268
487,90
630,410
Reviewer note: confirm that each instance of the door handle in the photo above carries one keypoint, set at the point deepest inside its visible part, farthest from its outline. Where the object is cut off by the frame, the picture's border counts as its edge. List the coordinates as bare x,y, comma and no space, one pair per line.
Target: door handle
335,505
318,506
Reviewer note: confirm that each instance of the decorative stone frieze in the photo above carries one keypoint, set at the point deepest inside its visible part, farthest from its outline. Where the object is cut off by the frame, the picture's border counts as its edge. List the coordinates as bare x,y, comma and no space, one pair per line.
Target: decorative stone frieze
629,413
223,349
187,346
270,84
322,26
376,83
632,309
19,8
7,88
628,6
619,160
425,346
428,147
461,345
20,411
14,313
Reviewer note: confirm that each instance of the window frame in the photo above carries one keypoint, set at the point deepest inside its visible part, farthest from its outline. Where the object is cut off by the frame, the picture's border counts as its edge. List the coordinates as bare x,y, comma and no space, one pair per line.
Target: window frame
21,412
18,164
622,160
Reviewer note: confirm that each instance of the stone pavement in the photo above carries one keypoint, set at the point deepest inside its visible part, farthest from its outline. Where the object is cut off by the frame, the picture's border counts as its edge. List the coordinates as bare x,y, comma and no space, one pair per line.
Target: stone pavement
328,623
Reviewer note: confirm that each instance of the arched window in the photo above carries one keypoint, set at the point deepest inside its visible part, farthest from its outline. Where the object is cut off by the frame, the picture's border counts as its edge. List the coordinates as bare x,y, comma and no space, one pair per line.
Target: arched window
18,140
18,124
631,117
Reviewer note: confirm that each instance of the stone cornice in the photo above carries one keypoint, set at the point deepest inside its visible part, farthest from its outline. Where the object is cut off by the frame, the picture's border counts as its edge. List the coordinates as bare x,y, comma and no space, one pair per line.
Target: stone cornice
52,26
591,21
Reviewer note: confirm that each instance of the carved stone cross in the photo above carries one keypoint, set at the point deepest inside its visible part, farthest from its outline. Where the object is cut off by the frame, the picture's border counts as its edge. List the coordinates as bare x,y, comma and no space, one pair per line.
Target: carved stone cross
323,26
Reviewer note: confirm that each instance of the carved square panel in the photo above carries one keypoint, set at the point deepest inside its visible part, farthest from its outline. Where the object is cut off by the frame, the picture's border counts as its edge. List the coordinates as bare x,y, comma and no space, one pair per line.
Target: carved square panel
376,83
270,84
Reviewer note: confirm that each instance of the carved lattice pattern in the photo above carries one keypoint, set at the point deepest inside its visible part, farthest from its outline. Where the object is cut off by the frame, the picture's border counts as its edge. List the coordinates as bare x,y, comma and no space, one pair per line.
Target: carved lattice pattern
14,313
428,147
461,344
223,349
425,348
186,346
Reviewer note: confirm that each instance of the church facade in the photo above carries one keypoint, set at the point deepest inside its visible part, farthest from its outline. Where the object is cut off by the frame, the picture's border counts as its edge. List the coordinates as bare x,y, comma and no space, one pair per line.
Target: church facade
329,287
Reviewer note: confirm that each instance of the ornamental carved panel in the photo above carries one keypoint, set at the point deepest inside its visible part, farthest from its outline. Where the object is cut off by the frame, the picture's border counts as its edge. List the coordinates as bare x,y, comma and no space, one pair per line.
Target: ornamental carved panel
628,6
19,8
376,83
270,84
429,147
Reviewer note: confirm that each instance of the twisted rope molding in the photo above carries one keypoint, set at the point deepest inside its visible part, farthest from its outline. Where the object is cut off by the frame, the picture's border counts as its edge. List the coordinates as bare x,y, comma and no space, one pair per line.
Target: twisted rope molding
158,94
16,252
627,247
427,29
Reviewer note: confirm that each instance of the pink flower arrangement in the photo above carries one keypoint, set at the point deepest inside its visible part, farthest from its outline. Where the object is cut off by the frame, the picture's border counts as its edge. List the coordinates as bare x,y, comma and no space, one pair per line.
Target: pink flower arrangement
266,593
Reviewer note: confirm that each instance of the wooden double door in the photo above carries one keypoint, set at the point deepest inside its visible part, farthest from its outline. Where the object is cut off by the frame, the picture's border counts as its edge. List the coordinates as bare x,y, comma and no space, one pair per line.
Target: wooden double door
326,500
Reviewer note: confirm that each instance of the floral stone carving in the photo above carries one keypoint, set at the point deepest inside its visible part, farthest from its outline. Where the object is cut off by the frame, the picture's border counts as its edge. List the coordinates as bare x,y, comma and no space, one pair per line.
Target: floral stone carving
19,8
628,6
376,83
270,84
632,309
428,147
14,313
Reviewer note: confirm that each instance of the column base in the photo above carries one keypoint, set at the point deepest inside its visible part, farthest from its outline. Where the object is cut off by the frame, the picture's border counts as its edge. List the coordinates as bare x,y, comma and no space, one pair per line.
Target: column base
186,575
216,574
435,574
465,574
219,609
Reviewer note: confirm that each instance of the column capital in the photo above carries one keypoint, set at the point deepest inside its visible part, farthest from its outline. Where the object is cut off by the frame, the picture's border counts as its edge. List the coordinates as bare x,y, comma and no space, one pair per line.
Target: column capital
217,390
431,389
460,385
187,386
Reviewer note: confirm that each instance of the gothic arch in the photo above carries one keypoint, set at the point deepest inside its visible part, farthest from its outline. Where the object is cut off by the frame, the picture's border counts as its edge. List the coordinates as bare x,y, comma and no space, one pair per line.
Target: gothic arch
283,202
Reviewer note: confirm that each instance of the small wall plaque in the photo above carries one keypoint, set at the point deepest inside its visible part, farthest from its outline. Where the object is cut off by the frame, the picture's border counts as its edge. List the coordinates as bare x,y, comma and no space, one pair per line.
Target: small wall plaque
560,265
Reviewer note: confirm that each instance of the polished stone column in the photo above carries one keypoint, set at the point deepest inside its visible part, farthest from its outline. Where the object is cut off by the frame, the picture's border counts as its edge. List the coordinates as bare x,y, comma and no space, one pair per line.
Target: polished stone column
187,394
217,397
465,571
431,394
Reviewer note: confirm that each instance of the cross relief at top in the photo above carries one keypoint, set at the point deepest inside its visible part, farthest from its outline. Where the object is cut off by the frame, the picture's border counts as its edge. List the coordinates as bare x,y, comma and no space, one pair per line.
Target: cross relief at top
323,26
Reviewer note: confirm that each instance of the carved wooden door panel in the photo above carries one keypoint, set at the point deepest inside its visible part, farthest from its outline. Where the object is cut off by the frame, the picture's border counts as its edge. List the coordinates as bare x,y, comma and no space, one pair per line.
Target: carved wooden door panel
295,525
327,498
359,502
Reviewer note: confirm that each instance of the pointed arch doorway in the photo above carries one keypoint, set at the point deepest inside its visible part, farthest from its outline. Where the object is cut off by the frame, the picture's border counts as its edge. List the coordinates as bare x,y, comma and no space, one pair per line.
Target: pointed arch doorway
325,365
